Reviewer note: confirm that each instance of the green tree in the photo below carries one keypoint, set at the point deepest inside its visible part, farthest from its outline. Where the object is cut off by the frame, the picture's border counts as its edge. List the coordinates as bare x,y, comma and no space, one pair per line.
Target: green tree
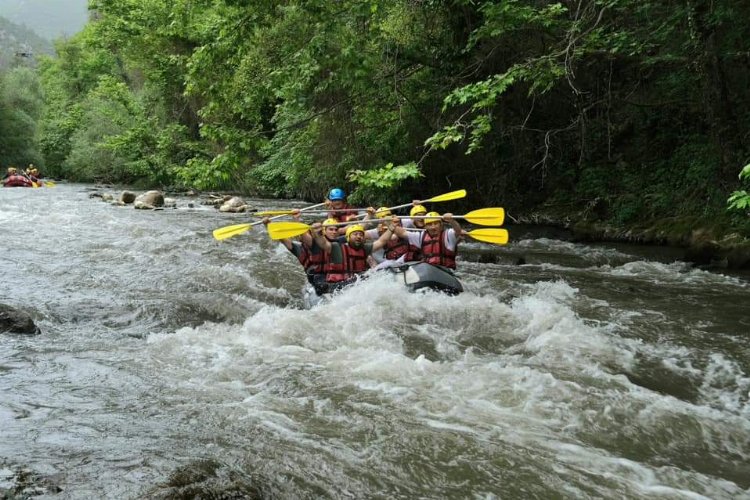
20,108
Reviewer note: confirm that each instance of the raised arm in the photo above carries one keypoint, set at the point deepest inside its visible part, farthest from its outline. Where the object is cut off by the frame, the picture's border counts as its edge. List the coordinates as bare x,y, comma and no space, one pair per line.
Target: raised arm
317,234
397,229
448,217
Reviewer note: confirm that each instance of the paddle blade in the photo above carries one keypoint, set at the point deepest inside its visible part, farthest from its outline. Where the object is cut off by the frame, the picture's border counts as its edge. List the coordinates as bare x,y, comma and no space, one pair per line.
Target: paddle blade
48,184
454,195
283,230
486,216
228,231
493,235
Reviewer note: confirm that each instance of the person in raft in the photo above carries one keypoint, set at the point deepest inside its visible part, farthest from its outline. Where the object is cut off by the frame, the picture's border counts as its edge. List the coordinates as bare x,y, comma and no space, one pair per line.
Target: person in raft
344,263
439,246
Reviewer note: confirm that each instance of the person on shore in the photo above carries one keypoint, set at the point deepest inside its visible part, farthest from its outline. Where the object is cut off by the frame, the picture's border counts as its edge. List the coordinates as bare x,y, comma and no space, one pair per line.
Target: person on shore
439,246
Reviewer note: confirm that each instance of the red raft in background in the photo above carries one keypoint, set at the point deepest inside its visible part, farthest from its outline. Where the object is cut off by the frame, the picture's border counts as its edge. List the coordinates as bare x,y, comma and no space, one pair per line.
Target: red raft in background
16,180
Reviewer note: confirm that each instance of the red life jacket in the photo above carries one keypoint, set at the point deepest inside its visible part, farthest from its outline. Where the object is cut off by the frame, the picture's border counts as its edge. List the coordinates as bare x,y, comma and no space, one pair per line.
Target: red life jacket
354,261
16,180
315,261
395,248
343,213
435,252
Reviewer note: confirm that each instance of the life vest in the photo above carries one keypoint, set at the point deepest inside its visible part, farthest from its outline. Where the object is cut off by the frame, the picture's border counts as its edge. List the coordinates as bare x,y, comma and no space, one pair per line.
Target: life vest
314,261
435,252
397,247
343,213
353,262
16,180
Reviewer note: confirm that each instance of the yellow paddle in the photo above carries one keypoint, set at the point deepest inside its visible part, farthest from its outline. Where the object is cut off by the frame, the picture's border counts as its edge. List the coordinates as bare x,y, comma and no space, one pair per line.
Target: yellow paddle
483,217
283,230
225,232
496,235
453,195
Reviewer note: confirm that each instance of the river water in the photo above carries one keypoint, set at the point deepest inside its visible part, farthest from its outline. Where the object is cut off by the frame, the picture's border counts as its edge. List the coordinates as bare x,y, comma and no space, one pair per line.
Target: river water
171,363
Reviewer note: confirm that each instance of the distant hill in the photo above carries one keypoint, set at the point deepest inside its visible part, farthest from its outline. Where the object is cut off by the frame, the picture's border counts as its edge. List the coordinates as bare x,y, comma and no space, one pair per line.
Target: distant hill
19,43
50,19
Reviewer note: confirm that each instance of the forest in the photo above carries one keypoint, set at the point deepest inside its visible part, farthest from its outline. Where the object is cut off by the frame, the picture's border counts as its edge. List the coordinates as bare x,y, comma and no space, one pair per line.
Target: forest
618,111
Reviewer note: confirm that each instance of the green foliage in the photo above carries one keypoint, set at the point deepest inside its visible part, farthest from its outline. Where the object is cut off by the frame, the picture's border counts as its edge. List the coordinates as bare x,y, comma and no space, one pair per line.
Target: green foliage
633,106
20,107
373,183
740,200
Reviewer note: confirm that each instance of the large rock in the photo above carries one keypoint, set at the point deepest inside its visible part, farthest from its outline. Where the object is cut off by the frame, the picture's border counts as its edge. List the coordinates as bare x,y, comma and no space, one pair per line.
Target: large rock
234,204
13,320
149,200
127,197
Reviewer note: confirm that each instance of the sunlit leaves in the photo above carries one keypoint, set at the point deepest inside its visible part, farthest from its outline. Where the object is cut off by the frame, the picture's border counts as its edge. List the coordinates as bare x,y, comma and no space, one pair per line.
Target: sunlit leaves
740,200
387,176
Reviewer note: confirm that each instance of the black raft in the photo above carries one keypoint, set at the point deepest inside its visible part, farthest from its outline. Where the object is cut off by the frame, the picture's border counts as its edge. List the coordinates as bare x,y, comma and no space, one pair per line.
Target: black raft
418,275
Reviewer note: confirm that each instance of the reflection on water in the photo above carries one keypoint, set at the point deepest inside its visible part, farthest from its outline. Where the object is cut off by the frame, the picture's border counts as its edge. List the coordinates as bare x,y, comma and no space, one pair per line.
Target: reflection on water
172,364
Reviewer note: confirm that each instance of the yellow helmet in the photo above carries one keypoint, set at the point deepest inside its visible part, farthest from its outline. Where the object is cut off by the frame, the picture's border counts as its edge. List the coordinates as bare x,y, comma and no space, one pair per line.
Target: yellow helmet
432,217
417,210
12,170
382,213
353,229
330,222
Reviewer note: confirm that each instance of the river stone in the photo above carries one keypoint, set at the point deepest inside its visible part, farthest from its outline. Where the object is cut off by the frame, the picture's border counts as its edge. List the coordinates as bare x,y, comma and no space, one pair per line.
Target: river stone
234,204
127,197
170,203
149,200
214,201
14,320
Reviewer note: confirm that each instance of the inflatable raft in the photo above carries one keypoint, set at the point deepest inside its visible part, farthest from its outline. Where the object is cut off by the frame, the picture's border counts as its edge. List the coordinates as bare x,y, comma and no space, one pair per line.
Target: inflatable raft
413,275
16,180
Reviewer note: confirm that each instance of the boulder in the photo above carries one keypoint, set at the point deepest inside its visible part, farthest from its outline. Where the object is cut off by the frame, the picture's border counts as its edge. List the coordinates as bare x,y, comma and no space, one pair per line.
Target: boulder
14,320
234,204
127,197
149,200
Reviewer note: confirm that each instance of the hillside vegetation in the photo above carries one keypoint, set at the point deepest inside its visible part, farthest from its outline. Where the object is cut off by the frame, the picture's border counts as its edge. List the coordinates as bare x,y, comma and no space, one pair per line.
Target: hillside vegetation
19,45
50,19
617,111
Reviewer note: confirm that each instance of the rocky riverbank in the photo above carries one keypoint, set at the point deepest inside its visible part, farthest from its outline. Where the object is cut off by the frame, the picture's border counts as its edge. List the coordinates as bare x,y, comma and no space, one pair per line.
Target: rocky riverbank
705,245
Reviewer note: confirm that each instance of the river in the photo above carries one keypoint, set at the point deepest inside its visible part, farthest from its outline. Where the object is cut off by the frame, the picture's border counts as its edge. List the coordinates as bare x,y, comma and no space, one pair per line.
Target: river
171,363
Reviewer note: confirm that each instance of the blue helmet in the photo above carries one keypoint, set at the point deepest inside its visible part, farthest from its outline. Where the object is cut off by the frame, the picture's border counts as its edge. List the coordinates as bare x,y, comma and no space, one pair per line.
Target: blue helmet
336,194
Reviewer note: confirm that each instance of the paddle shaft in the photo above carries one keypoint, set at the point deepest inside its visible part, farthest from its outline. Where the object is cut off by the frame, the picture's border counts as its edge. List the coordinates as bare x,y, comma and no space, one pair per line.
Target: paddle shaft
223,233
443,197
